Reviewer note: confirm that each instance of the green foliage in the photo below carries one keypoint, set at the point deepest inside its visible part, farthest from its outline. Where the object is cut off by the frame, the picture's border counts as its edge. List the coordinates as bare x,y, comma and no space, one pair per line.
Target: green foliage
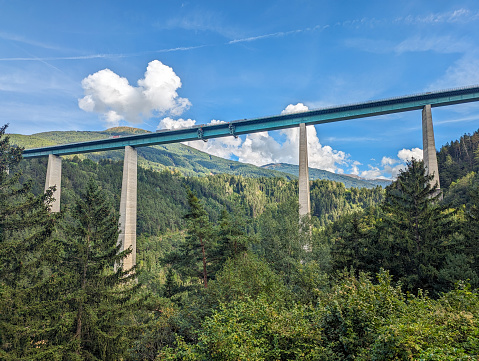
412,235
458,158
27,296
416,230
352,238
446,329
97,298
352,313
246,276
193,257
460,191
253,330
283,239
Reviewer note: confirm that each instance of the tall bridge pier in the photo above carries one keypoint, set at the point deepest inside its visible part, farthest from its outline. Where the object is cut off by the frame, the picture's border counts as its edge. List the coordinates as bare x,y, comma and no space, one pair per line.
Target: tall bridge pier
429,146
303,181
54,178
128,206
128,201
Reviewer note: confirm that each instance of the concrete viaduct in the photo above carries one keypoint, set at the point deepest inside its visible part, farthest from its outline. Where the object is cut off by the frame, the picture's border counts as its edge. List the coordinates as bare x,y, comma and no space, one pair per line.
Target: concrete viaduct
128,202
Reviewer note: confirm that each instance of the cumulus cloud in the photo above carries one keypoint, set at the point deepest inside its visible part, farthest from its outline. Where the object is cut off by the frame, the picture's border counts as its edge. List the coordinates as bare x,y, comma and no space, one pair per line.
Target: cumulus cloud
263,148
169,123
388,161
407,154
298,108
355,168
371,173
390,167
115,99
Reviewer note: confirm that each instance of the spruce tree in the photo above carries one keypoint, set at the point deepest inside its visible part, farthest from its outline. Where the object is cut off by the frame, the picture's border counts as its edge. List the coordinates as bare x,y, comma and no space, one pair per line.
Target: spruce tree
416,229
232,238
193,257
28,310
98,299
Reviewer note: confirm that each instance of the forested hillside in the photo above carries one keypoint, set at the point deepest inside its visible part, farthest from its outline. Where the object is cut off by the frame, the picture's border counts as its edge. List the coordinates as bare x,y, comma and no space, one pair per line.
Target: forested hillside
227,271
182,158
458,158
348,180
162,195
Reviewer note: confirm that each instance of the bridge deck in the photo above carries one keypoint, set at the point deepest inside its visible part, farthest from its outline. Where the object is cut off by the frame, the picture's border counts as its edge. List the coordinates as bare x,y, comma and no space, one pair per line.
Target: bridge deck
239,127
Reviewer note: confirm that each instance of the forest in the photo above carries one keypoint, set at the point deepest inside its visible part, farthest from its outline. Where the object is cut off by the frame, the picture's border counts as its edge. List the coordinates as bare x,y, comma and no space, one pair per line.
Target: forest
227,271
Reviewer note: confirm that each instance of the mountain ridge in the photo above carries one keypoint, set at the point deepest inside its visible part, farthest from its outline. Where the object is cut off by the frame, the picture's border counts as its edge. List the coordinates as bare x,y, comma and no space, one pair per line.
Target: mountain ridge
189,161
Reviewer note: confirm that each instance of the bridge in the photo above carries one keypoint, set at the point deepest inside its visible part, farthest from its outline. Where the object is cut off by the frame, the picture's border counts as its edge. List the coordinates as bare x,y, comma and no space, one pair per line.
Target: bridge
127,238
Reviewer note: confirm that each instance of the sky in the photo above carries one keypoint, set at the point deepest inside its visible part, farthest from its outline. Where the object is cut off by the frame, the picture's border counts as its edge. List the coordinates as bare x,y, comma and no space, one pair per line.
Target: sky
92,65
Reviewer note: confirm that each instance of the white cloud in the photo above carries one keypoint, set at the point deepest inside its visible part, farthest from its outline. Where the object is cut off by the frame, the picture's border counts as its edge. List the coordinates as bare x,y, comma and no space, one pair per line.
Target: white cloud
262,148
388,161
169,123
115,99
439,44
215,121
407,154
354,167
372,173
393,172
298,108
390,167
454,16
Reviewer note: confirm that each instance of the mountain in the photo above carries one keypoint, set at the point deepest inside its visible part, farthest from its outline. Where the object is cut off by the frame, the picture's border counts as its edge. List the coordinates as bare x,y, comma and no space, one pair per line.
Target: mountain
189,161
349,181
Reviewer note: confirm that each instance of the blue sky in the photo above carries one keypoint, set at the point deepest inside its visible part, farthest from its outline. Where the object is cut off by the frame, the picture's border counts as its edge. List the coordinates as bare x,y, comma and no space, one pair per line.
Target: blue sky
90,65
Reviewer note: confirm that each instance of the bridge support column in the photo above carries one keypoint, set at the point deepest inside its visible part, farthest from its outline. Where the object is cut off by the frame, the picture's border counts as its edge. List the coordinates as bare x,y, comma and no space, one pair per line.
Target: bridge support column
54,178
128,203
429,146
304,196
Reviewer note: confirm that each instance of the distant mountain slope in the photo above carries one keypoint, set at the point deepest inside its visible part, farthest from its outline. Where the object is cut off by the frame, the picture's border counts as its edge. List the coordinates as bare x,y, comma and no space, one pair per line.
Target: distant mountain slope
348,180
187,160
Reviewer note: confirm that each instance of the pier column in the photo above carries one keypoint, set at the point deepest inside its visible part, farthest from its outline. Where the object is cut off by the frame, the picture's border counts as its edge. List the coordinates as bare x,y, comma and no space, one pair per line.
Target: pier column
128,202
429,146
54,178
304,196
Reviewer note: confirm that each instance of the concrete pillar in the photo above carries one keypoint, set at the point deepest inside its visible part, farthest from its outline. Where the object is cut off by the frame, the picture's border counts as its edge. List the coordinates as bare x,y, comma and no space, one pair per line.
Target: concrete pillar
54,178
304,196
127,237
429,146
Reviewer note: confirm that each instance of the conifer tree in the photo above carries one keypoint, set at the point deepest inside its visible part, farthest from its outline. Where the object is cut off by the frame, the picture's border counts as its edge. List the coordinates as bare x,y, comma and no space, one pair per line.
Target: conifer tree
27,306
415,230
232,237
193,257
98,298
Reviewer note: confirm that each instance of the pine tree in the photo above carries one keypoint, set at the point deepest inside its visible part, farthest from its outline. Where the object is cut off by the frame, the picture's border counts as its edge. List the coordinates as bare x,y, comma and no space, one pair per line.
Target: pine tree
472,230
416,229
232,237
99,298
283,240
192,259
27,255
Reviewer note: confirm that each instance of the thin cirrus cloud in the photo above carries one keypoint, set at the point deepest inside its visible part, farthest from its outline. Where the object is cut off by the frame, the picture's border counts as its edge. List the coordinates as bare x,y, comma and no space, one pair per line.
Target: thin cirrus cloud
454,16
200,22
438,44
